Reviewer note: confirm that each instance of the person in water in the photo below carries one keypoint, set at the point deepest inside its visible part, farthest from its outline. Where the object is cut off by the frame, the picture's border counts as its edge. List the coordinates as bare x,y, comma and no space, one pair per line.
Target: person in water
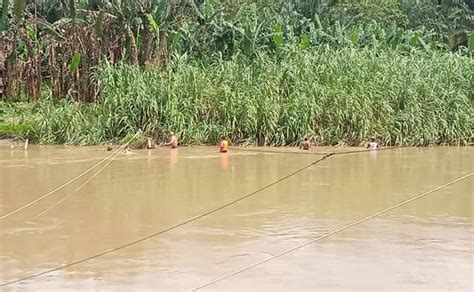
372,145
224,145
305,144
172,140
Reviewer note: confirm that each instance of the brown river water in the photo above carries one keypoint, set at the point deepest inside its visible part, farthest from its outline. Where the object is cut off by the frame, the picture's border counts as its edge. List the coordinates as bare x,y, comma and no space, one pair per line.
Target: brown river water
426,245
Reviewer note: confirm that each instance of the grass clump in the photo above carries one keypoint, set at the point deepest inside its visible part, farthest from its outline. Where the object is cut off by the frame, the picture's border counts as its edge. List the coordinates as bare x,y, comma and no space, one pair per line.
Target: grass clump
15,120
135,140
13,131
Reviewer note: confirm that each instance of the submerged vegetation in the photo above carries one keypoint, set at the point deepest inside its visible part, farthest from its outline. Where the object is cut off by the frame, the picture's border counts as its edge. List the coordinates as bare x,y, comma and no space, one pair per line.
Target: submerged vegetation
267,72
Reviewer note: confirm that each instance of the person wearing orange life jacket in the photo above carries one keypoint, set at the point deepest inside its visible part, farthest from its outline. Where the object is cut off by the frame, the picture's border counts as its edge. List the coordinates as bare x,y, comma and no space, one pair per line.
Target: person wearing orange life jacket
224,146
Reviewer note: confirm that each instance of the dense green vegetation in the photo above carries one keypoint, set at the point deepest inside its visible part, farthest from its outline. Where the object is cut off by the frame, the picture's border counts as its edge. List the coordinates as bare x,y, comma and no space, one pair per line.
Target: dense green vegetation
408,99
257,71
15,120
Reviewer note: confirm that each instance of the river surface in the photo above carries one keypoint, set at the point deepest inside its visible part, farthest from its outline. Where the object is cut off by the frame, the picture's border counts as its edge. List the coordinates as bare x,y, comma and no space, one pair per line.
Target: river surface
426,245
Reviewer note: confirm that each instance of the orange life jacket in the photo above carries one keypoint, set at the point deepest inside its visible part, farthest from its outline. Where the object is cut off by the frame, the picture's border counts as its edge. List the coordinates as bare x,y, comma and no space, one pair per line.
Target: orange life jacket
224,146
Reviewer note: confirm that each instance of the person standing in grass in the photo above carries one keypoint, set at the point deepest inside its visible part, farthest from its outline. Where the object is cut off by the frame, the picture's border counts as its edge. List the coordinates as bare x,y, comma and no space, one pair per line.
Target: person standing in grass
172,140
372,145
224,145
305,144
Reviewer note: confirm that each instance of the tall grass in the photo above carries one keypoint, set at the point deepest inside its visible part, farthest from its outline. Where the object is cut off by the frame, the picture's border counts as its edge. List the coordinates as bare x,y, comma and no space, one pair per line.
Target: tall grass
331,95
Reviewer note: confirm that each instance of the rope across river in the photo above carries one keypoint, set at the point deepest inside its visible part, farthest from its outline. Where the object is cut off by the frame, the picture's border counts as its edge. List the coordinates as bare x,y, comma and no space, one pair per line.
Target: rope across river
110,157
340,229
205,214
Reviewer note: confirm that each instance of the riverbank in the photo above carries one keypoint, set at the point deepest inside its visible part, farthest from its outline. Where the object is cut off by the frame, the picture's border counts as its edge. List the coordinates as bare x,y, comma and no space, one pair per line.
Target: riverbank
334,97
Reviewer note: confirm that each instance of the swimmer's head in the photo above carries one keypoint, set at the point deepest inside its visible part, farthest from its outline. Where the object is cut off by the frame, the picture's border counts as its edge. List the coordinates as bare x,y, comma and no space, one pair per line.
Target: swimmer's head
306,138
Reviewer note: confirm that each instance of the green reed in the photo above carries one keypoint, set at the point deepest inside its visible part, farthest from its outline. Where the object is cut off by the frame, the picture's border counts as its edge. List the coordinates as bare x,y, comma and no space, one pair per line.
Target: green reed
333,96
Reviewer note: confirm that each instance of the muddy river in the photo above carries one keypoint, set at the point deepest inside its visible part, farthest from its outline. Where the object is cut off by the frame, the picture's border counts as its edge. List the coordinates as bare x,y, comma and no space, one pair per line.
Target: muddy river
426,245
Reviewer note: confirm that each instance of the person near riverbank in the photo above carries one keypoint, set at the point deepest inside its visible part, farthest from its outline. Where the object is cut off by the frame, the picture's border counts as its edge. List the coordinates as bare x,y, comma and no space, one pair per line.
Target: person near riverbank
224,145
372,145
305,144
172,140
